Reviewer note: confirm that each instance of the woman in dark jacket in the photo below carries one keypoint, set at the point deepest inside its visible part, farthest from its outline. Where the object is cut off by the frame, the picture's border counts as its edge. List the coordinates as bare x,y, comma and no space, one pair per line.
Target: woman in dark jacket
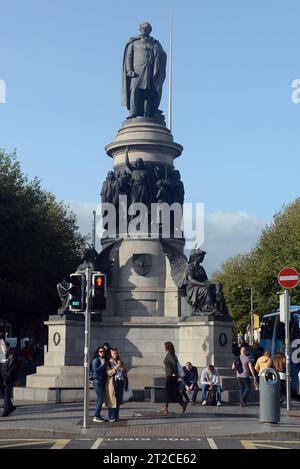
99,366
172,393
9,374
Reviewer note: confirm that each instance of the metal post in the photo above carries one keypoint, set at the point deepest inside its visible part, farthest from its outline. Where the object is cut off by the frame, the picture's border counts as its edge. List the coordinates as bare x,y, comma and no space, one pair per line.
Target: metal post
251,319
287,348
94,229
87,328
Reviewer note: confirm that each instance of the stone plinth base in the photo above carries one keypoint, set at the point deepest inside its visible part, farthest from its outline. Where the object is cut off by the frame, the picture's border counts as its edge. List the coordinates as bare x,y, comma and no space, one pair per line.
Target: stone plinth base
140,341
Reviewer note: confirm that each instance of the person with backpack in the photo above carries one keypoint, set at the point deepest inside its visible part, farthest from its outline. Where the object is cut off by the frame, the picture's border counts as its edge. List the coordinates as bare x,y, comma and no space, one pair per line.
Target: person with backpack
244,367
210,381
9,374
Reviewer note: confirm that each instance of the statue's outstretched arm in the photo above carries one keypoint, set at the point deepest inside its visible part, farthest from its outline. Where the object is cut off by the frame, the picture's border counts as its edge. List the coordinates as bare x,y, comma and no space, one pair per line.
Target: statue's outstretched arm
129,166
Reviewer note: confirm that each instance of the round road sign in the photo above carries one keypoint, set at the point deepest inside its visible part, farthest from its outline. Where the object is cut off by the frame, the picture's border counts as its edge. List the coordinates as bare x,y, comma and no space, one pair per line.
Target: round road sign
288,277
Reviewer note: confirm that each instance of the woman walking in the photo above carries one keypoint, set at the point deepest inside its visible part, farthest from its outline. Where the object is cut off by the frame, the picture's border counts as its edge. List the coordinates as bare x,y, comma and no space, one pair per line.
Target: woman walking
99,367
280,367
172,393
116,380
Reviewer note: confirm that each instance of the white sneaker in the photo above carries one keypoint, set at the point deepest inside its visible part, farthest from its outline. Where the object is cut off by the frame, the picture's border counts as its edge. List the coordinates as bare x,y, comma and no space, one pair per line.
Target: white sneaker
97,419
204,403
219,404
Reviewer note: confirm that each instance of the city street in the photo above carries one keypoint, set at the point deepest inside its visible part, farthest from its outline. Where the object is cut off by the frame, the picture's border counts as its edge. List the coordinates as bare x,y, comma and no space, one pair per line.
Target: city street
52,426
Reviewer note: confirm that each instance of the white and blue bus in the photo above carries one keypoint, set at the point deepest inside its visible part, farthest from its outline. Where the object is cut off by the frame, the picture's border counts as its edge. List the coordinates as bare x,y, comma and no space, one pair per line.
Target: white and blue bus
272,338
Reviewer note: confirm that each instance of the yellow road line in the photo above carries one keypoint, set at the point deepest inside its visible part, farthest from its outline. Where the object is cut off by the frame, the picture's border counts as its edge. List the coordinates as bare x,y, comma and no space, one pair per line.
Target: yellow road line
254,444
58,444
36,442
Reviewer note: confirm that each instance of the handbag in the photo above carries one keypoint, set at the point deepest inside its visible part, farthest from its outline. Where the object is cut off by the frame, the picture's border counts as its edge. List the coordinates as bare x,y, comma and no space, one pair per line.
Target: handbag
127,393
180,371
238,365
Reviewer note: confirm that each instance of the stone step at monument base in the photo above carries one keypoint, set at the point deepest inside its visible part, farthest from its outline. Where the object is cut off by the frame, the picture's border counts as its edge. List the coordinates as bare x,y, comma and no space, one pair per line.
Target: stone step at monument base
59,370
48,381
51,376
45,395
233,396
226,372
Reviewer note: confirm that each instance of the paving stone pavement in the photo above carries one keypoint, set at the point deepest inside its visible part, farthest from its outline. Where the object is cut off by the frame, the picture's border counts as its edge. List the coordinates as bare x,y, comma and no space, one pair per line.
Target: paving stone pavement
142,419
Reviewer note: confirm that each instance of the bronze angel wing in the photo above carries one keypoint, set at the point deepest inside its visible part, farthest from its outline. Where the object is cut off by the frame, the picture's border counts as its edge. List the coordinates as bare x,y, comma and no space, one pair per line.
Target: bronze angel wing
178,263
105,259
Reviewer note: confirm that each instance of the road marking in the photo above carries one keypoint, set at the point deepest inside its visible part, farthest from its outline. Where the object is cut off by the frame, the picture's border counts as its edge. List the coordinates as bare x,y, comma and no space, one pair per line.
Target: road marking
255,444
97,443
60,444
23,442
212,443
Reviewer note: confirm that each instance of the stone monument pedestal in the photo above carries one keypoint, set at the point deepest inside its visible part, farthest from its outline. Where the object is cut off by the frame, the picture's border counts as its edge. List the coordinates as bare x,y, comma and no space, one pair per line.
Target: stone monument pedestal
140,341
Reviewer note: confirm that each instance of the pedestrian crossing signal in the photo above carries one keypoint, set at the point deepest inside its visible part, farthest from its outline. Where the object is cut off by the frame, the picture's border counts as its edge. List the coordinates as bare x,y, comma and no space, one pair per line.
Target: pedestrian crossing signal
77,292
98,291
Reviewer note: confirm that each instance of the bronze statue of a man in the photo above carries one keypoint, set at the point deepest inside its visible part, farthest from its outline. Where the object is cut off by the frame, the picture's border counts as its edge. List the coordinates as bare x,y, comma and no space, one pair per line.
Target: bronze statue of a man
144,71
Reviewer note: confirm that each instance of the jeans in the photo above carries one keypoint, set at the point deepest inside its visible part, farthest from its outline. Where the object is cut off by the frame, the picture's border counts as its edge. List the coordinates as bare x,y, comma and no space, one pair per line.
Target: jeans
99,387
6,392
184,391
113,413
217,388
282,390
244,385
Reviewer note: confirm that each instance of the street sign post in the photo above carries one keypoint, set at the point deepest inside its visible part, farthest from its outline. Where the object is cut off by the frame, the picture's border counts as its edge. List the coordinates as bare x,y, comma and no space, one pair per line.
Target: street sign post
288,278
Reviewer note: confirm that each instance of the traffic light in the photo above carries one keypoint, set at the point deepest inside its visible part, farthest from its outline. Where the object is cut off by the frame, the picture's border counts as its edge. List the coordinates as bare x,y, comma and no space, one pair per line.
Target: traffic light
77,292
98,291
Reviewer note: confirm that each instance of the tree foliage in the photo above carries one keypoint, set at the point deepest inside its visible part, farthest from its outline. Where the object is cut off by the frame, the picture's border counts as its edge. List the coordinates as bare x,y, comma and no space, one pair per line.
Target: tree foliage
39,244
277,247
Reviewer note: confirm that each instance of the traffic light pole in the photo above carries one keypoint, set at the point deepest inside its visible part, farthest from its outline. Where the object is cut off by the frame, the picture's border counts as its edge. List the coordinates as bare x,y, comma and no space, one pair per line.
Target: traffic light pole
87,330
287,348
251,319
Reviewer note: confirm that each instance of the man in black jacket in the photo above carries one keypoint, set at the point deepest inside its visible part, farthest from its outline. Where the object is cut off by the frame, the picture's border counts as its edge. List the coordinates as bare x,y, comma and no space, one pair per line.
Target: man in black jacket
189,382
9,370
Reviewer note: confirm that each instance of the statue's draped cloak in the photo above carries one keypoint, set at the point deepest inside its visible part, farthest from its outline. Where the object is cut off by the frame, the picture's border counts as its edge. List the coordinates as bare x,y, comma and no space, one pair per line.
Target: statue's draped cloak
159,71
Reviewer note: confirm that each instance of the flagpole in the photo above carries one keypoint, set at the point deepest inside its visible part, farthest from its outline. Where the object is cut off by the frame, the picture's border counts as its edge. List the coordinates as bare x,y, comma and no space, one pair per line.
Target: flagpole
170,70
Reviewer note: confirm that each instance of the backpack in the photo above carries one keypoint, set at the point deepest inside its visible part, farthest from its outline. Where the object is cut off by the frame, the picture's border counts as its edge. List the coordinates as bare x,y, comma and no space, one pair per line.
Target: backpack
211,396
238,365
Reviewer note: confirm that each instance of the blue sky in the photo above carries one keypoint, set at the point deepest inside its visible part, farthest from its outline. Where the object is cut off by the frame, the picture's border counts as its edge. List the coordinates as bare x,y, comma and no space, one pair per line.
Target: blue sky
234,62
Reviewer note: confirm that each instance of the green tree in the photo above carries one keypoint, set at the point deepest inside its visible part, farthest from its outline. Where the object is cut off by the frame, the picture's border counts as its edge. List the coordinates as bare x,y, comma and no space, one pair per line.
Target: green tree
39,244
277,247
235,277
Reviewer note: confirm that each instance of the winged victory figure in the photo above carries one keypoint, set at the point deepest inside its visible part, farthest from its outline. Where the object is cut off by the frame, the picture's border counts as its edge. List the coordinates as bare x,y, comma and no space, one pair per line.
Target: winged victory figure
205,297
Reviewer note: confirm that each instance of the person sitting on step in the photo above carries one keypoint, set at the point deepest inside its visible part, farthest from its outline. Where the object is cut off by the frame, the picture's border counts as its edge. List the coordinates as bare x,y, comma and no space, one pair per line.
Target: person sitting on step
210,381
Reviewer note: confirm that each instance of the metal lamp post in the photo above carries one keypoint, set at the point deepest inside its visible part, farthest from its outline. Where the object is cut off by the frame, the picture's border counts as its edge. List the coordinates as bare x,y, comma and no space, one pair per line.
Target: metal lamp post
251,318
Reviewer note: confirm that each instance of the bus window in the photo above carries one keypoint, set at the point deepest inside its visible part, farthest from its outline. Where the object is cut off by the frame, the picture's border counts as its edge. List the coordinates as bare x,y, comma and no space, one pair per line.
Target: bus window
267,327
295,327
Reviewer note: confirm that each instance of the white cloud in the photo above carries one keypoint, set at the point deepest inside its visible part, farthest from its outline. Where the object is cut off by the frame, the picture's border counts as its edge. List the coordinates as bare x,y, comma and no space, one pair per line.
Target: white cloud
227,234
84,214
